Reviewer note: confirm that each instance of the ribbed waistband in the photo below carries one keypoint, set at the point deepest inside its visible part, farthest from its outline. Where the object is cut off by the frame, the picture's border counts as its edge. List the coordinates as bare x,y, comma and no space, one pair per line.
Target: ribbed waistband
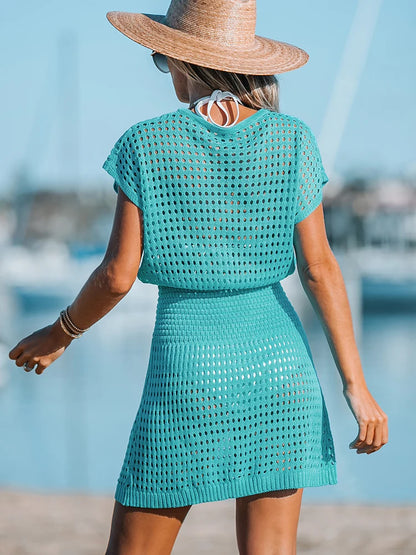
221,315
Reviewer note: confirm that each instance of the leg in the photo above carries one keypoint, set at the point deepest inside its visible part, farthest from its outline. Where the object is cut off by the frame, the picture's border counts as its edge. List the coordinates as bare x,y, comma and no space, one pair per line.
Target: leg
143,531
266,523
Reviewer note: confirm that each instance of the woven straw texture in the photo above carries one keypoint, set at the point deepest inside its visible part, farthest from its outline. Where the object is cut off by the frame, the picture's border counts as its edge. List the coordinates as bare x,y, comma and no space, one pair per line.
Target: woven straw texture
219,34
231,404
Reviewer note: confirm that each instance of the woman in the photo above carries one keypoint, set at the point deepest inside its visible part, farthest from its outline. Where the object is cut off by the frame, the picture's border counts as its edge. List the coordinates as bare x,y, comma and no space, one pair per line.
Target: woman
219,198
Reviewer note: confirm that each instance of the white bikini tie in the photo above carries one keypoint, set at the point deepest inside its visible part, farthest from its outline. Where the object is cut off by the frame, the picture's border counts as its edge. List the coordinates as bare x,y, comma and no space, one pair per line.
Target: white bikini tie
217,96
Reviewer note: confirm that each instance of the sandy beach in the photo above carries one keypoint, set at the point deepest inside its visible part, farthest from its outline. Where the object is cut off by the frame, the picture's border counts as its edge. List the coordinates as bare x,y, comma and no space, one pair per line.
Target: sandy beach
75,524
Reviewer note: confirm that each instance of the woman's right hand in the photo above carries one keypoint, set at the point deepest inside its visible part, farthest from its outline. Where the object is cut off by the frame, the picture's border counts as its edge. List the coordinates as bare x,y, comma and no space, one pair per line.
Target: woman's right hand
372,421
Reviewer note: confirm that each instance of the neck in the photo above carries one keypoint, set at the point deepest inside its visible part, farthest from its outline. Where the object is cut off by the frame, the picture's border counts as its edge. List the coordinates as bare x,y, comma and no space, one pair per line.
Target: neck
197,91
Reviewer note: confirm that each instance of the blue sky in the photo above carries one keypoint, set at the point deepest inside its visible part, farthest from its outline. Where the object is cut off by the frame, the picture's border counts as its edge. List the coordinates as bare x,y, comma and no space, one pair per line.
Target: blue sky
118,85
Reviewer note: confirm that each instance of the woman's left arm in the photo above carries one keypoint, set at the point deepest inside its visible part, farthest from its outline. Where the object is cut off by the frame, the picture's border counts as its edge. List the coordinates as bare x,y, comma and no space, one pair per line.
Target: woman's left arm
106,286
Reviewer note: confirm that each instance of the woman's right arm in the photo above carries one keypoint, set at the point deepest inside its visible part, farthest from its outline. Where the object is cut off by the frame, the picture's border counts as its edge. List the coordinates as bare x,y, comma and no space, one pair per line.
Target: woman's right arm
324,285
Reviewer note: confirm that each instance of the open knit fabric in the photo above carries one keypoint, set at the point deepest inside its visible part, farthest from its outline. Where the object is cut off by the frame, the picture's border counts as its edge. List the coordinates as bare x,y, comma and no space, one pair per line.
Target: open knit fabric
231,405
219,204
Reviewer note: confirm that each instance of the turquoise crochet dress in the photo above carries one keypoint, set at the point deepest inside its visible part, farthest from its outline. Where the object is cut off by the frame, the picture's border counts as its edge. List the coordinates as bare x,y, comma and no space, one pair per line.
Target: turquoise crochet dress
231,405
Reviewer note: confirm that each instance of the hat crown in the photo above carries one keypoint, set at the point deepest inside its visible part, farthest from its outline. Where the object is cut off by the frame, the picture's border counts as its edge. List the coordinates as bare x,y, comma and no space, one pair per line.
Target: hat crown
232,22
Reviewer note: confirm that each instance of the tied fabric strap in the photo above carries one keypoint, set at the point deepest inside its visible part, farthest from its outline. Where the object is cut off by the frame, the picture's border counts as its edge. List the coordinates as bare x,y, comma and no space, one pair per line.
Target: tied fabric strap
217,96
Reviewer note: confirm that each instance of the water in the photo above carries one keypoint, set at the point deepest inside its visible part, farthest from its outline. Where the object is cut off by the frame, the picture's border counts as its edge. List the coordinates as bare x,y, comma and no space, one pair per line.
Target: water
67,430
387,353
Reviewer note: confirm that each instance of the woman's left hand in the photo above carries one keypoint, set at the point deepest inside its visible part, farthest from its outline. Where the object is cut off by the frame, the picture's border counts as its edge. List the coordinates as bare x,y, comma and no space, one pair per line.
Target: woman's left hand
41,348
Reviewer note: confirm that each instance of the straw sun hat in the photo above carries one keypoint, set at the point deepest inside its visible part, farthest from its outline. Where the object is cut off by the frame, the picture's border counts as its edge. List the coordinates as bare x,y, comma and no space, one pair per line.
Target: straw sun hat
218,34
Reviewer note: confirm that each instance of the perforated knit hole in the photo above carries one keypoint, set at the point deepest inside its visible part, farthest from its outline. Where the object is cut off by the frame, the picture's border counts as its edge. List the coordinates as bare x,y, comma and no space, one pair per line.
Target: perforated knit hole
311,172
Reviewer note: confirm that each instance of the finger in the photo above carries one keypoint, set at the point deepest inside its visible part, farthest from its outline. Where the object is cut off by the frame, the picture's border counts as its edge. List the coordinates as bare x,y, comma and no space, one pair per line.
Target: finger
385,434
369,449
359,440
355,442
24,357
16,351
373,450
40,369
366,444
370,434
28,366
378,434
365,449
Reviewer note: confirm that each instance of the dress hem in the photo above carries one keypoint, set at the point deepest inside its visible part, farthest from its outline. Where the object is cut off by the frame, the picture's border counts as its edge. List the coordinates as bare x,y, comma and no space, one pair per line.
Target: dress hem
128,496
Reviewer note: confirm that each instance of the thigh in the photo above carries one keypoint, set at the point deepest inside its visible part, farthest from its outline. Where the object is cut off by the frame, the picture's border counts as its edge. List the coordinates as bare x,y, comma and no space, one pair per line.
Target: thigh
137,530
266,523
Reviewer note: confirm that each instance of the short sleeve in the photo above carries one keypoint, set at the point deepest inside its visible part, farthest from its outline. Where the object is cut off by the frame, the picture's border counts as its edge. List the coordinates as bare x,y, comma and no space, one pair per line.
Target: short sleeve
123,165
311,176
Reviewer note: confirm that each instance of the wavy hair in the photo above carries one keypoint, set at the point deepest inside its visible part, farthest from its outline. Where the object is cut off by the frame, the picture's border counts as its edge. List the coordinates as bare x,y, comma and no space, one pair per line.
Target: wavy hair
254,91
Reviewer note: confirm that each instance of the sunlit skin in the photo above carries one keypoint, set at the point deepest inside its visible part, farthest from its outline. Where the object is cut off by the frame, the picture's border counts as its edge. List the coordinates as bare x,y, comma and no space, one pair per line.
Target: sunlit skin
265,523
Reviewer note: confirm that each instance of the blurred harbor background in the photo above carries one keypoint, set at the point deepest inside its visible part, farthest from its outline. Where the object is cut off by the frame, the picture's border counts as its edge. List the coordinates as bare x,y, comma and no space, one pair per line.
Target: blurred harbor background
72,88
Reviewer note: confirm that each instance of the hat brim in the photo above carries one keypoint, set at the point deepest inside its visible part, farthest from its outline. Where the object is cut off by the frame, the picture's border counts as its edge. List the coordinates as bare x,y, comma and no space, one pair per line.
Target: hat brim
265,56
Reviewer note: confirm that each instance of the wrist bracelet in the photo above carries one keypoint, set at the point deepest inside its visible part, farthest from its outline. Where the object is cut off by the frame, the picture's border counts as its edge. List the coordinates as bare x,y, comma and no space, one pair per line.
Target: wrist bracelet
64,327
70,324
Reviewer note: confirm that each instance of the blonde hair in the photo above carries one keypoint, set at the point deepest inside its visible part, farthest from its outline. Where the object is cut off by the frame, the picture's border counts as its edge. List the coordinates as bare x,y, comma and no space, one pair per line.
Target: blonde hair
254,91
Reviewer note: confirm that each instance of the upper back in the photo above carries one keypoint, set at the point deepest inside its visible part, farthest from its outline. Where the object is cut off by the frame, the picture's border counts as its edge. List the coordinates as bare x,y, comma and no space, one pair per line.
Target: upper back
219,204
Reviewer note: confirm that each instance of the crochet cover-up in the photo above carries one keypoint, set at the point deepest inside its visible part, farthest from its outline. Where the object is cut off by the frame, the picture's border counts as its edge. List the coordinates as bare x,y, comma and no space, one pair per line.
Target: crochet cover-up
231,404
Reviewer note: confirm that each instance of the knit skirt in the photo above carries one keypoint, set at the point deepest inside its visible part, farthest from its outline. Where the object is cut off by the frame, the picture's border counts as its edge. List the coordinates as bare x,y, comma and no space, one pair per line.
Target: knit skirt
231,404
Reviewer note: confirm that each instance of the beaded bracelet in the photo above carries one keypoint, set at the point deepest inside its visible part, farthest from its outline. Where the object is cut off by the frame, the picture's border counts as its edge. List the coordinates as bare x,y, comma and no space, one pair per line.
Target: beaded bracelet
68,326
